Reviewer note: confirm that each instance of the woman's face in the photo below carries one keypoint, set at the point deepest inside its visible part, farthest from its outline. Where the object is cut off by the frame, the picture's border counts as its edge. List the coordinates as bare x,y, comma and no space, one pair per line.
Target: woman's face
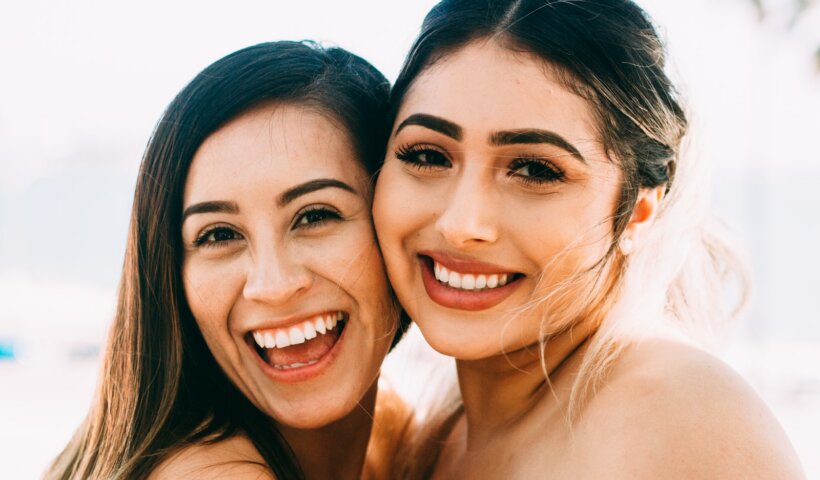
281,268
496,190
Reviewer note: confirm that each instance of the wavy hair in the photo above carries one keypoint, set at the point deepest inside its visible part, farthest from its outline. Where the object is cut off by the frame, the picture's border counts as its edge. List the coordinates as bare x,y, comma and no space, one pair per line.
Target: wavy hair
609,53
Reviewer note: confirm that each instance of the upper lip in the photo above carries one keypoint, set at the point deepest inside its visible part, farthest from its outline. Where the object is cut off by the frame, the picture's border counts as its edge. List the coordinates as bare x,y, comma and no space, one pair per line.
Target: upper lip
289,321
463,264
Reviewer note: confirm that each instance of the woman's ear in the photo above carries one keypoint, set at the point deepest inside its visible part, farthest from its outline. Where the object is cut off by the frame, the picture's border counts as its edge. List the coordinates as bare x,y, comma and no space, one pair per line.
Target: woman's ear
646,209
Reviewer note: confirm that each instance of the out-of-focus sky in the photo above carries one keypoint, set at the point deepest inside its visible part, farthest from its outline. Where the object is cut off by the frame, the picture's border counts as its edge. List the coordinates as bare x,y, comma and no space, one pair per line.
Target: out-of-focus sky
83,82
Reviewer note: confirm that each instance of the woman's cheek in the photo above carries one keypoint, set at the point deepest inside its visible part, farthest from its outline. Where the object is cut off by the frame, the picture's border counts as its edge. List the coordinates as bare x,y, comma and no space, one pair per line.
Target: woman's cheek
210,285
396,203
347,258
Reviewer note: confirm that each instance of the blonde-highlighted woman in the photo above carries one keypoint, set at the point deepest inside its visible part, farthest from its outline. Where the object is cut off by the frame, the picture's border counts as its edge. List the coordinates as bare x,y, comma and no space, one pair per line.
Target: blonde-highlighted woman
547,242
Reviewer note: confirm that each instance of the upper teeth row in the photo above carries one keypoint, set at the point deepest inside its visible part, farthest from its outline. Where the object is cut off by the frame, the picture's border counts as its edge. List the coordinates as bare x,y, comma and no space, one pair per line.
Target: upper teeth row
299,333
469,281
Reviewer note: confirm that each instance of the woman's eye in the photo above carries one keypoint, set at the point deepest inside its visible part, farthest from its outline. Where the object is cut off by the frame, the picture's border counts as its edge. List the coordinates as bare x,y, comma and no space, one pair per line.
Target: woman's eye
216,236
535,170
423,157
314,217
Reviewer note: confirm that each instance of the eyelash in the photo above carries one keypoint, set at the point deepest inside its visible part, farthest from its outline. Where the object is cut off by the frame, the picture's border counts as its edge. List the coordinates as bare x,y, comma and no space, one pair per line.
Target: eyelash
329,214
203,241
553,173
409,154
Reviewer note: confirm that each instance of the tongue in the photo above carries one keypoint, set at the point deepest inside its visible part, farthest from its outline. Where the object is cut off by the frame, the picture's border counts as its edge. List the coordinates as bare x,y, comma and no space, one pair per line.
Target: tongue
309,351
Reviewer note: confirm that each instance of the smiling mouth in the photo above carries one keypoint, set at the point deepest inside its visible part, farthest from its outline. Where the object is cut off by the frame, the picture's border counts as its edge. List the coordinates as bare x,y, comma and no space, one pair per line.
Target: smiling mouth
300,345
465,290
471,281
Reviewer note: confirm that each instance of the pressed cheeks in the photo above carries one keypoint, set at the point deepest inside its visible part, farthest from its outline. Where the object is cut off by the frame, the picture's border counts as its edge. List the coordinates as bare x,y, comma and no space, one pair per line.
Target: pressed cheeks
281,268
495,189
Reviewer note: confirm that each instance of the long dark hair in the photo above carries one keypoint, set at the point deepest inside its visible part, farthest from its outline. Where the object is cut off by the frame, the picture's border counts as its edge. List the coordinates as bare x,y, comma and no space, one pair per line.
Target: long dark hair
609,53
161,388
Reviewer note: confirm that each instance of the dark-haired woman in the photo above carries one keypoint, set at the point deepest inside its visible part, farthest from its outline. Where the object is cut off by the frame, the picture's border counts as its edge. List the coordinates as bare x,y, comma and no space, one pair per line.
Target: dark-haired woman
549,241
253,312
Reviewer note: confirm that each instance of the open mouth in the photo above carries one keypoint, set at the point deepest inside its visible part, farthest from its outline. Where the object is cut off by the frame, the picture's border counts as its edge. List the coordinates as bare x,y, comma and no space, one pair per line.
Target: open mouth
301,345
466,290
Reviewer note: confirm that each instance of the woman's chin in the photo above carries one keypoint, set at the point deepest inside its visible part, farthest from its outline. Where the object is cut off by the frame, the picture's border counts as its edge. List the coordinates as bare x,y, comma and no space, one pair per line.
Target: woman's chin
458,347
308,415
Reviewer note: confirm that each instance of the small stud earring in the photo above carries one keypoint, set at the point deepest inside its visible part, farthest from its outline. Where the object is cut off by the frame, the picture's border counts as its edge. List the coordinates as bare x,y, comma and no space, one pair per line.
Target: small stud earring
626,245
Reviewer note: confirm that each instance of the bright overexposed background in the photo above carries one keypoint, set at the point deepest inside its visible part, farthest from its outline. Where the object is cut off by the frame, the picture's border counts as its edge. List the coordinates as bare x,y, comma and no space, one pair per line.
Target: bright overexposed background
83,83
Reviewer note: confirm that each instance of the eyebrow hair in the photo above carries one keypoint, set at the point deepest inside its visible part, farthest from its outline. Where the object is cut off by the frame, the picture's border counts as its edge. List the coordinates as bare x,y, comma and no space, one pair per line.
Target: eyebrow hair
219,206
311,186
432,122
532,136
210,207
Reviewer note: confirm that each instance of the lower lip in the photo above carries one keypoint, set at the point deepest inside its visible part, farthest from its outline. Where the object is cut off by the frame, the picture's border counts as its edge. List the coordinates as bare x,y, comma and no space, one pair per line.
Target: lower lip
307,372
456,298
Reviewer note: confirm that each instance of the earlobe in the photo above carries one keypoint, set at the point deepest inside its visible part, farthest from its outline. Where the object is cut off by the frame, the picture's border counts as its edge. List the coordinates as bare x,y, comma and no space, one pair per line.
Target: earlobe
643,215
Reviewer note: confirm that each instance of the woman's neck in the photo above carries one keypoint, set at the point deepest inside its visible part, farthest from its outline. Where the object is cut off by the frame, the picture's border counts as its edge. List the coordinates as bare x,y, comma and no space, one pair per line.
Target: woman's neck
500,391
336,450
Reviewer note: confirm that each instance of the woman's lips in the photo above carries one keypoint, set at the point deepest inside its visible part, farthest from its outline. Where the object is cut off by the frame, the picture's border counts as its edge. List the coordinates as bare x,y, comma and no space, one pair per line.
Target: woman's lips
470,286
302,361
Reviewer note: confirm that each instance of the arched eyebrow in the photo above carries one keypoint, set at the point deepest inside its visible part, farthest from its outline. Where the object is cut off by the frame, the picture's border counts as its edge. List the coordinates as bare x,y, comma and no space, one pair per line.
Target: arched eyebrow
434,123
293,193
534,136
210,207
500,138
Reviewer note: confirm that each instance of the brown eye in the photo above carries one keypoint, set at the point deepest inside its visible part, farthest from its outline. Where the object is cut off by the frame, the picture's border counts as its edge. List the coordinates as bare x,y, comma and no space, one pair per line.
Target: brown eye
535,170
216,236
423,157
315,216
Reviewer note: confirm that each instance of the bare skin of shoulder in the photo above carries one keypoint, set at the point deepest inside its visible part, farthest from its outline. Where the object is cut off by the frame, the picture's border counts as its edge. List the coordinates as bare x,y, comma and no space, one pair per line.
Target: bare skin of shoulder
237,458
666,410
234,457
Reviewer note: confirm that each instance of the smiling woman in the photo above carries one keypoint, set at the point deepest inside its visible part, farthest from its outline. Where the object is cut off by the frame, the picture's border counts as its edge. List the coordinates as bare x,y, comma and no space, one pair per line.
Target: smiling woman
547,242
254,312
280,268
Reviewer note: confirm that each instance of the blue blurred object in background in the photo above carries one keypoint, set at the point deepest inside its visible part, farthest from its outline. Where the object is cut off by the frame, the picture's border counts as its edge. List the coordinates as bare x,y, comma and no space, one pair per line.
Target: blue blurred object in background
6,349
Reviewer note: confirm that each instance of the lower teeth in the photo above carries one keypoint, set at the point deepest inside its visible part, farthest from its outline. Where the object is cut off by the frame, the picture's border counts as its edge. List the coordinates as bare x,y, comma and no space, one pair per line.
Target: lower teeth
294,365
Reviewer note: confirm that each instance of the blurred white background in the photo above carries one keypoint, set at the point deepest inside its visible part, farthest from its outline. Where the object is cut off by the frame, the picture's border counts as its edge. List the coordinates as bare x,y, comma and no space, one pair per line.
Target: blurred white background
83,83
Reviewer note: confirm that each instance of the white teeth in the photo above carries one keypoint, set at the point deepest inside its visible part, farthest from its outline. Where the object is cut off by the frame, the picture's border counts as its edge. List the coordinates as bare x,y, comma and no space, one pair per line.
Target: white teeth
310,331
469,281
296,336
282,339
330,322
295,365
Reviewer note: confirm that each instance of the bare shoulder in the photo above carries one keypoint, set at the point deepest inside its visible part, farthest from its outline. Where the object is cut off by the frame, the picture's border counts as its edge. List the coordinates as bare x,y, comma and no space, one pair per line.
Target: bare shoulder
234,457
392,425
670,410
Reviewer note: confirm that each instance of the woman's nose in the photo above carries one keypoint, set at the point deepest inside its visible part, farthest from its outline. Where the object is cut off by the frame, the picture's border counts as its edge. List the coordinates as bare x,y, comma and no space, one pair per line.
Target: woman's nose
275,277
468,218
